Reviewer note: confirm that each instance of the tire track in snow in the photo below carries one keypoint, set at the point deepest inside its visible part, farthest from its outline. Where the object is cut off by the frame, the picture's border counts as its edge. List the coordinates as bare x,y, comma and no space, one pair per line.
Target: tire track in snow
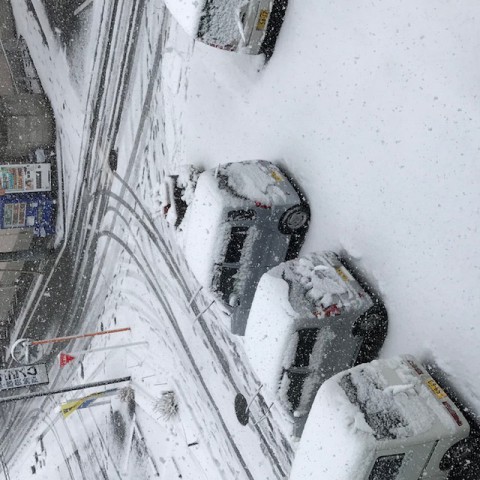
163,248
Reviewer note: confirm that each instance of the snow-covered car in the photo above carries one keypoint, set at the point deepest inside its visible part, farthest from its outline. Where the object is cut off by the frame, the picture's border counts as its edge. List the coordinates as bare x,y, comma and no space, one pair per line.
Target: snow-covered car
241,220
310,319
385,420
246,26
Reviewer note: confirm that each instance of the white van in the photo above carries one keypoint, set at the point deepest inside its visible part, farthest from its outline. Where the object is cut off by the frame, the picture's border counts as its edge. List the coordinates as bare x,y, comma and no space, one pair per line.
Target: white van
385,420
246,26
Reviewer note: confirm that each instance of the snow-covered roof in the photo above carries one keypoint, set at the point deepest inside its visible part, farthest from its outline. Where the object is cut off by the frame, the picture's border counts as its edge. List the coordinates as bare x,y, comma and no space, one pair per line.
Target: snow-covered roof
265,344
337,443
204,231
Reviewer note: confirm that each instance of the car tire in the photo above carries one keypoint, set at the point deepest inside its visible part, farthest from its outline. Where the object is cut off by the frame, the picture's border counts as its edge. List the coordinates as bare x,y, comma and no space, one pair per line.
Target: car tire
462,460
367,324
294,219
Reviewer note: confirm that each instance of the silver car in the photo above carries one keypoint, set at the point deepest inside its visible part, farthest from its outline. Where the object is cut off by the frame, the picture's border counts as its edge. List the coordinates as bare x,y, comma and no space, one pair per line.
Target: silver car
310,319
244,218
246,26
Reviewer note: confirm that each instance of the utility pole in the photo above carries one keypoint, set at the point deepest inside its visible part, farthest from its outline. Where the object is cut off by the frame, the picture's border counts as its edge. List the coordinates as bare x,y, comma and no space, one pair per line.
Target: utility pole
63,390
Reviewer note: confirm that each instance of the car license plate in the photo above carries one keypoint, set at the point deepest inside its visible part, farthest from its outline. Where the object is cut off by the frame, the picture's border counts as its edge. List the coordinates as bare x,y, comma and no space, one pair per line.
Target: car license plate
344,274
262,19
276,176
436,389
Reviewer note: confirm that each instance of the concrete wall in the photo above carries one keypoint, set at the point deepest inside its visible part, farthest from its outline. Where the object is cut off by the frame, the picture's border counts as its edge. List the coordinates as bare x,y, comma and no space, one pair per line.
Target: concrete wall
7,32
26,122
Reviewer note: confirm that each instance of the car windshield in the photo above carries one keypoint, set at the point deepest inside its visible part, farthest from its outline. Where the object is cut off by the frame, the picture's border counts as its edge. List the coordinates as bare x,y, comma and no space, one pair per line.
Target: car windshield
218,23
378,409
234,251
226,282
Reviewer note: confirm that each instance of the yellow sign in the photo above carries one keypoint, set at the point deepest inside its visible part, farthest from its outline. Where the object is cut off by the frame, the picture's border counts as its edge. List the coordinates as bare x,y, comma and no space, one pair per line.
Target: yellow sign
436,389
69,407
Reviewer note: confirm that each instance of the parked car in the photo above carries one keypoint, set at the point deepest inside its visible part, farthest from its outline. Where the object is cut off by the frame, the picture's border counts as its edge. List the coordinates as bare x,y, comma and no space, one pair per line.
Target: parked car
310,319
241,220
246,26
385,420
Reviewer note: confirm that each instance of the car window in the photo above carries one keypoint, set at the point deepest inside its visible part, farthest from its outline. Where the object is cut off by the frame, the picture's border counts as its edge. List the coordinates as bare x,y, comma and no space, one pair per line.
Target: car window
306,341
226,282
295,387
386,467
235,244
241,215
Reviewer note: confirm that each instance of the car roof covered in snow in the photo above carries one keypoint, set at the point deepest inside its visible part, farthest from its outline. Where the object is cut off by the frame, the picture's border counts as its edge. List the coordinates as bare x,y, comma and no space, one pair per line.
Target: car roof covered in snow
359,410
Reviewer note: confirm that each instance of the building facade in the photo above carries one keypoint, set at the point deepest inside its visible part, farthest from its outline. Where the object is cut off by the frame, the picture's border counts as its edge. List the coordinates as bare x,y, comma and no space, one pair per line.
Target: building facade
27,203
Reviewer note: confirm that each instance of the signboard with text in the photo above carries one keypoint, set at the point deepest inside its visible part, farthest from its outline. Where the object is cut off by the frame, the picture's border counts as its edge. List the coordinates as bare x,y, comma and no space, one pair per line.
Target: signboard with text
30,177
23,376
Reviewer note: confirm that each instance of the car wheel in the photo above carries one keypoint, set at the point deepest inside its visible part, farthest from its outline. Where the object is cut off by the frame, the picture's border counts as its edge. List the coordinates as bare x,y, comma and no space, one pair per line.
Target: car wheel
294,219
460,455
367,324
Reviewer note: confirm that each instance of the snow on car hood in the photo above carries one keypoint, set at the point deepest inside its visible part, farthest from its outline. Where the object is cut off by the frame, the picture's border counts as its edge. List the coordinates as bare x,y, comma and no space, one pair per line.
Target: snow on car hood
318,281
254,181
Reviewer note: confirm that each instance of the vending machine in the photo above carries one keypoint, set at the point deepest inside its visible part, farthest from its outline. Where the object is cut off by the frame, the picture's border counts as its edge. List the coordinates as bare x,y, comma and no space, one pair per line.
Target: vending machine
35,210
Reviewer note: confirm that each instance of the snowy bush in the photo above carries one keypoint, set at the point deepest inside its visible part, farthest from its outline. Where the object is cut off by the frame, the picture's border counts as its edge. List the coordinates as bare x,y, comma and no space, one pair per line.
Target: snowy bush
166,405
127,395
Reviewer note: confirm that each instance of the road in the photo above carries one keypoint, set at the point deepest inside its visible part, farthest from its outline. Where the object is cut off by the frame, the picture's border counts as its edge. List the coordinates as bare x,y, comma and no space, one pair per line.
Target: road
112,212
57,307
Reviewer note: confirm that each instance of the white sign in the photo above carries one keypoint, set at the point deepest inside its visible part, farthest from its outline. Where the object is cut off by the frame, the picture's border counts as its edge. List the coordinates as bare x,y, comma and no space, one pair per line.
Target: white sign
23,376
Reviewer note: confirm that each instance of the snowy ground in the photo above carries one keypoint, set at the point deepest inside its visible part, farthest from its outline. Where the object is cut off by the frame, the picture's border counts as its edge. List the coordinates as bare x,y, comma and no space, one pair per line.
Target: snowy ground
370,109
